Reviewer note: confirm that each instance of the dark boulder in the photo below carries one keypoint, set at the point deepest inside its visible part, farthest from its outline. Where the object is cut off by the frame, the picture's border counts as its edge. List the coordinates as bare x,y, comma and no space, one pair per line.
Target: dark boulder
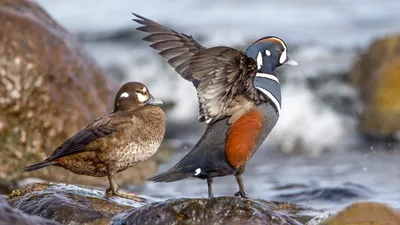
221,210
9,215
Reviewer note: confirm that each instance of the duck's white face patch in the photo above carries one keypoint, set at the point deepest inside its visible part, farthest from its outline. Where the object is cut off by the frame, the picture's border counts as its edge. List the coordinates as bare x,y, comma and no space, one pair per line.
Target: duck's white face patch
124,95
144,89
267,52
283,57
259,60
141,97
197,171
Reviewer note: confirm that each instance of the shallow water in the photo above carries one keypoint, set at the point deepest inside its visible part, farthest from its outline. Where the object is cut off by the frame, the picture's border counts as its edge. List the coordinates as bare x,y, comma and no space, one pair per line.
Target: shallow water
327,165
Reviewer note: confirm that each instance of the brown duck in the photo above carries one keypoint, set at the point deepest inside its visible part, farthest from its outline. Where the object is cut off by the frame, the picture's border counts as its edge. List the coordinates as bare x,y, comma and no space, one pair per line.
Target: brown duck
239,97
131,133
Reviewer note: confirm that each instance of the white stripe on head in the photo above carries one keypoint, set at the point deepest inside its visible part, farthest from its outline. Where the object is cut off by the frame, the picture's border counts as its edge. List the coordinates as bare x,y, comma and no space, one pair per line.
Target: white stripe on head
283,57
259,60
268,76
272,98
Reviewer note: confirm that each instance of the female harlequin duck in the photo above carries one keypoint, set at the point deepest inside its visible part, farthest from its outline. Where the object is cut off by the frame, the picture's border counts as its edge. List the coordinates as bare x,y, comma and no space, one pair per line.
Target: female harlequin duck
116,141
239,98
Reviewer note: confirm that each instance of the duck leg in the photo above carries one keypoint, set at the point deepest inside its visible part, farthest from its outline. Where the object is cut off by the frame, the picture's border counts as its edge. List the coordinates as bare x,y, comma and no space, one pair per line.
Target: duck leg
242,190
209,184
113,190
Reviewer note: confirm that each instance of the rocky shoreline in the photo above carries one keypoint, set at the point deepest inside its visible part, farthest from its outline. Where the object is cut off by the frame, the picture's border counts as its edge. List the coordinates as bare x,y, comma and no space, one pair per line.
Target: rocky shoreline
47,202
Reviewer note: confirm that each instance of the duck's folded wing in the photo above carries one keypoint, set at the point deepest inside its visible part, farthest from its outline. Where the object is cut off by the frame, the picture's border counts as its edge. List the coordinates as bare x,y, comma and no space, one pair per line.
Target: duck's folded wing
99,128
176,47
223,73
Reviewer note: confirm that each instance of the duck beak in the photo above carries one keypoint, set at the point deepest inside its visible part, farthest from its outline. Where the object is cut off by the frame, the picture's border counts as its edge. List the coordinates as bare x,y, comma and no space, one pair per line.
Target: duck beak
153,101
290,62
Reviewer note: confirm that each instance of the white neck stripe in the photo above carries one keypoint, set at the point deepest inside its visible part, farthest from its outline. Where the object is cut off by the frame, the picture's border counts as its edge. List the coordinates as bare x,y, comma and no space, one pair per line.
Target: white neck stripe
268,76
272,97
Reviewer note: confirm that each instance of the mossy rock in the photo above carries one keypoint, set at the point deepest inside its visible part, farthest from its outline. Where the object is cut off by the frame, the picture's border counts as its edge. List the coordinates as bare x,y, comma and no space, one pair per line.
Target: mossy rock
377,75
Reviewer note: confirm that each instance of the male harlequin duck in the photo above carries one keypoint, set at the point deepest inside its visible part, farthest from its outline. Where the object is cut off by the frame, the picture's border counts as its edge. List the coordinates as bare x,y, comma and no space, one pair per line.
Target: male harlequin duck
116,141
239,98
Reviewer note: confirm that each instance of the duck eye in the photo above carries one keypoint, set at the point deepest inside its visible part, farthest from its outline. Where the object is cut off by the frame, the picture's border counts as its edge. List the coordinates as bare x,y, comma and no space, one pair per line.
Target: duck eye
138,91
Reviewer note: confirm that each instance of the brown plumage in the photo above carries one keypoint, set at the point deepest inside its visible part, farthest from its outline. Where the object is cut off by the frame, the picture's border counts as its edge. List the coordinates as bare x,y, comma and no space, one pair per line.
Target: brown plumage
114,142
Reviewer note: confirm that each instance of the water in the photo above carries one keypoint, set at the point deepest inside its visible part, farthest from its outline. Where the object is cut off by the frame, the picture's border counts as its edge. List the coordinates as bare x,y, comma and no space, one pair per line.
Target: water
325,165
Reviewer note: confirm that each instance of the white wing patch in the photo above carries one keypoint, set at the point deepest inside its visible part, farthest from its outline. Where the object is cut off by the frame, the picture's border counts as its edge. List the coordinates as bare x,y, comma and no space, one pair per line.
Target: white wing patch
124,95
197,171
259,60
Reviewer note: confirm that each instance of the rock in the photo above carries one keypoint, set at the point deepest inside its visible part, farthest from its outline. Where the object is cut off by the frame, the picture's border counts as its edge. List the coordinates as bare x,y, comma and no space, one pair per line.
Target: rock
68,204
365,213
377,75
49,89
9,215
3,199
221,210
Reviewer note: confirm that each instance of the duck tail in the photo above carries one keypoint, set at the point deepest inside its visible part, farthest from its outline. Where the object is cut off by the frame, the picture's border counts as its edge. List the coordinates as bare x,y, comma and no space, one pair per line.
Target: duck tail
37,166
169,176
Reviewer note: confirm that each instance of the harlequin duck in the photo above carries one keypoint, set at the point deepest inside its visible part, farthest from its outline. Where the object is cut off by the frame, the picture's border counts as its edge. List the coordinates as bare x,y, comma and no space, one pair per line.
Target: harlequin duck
112,143
239,98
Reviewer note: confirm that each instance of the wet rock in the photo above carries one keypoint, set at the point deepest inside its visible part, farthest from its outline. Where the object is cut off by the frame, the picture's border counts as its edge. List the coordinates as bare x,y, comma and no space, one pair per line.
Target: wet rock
365,213
68,204
3,199
221,210
9,215
49,89
377,75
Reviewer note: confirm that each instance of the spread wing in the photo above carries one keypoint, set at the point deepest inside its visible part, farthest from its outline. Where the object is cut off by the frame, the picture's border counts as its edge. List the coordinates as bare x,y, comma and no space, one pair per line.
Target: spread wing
224,73
176,47
216,72
100,128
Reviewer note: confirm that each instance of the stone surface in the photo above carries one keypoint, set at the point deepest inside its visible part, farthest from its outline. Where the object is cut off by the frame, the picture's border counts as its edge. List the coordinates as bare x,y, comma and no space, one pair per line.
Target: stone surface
3,199
49,89
68,204
9,215
365,213
377,75
221,210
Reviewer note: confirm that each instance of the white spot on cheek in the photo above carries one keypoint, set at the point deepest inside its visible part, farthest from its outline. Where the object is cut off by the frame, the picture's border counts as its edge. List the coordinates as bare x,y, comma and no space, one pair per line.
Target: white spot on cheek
283,57
259,60
267,52
198,171
124,95
141,97
144,89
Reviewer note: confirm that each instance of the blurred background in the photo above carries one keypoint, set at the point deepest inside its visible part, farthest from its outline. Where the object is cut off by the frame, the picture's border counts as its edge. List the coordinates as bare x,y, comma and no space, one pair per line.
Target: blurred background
336,140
